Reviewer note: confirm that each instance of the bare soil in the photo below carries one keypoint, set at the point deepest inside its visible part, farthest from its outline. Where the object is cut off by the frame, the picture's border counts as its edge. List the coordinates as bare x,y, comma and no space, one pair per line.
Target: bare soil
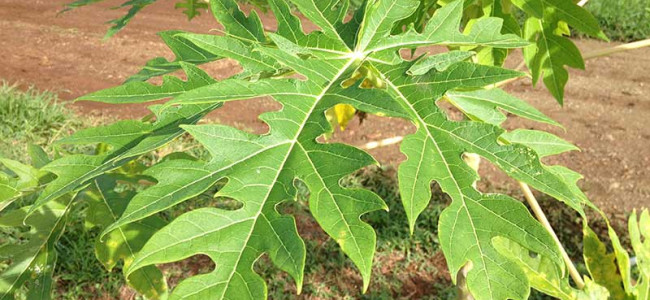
605,112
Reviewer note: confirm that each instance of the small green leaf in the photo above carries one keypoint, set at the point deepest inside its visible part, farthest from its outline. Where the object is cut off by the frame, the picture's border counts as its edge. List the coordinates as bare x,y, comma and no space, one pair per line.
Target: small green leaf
484,105
38,156
183,50
544,143
138,92
24,177
121,22
443,29
544,274
575,16
236,23
192,8
639,227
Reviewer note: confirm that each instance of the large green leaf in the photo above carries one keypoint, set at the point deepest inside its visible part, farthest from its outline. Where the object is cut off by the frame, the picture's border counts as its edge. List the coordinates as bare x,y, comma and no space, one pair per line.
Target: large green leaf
261,171
353,61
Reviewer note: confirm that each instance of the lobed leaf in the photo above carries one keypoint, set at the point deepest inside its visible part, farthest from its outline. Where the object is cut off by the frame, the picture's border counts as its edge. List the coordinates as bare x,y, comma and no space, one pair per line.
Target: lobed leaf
24,177
105,205
484,105
184,51
129,139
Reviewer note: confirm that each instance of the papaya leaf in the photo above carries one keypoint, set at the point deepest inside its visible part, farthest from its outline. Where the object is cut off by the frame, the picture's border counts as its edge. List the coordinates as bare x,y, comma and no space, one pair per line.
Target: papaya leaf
544,275
602,265
549,52
483,105
351,59
192,8
184,51
439,62
105,207
533,8
435,153
128,139
544,143
22,178
138,92
135,7
261,171
32,262
442,29
639,226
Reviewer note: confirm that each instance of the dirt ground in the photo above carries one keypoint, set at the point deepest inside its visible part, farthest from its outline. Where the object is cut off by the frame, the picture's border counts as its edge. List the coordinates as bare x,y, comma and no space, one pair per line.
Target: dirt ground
605,112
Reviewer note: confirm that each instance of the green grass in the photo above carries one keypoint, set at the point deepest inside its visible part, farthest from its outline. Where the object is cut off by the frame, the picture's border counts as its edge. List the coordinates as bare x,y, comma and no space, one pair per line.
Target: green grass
622,20
31,117
79,275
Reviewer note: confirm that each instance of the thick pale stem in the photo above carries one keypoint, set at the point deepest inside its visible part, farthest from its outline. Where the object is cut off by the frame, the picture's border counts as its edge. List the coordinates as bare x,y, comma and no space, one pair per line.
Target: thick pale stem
541,217
617,49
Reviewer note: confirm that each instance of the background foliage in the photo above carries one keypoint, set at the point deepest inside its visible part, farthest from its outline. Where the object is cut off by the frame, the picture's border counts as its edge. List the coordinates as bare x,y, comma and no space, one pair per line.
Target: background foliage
623,20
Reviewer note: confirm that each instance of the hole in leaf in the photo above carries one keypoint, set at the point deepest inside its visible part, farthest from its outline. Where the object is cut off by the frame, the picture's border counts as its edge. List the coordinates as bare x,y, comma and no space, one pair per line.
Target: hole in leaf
452,112
191,266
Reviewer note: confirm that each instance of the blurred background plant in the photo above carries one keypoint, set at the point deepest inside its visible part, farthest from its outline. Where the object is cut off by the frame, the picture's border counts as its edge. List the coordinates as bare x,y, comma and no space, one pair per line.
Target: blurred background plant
622,20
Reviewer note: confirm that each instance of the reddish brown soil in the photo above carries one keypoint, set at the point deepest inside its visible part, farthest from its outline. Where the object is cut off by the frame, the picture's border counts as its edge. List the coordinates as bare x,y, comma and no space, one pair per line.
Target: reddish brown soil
605,112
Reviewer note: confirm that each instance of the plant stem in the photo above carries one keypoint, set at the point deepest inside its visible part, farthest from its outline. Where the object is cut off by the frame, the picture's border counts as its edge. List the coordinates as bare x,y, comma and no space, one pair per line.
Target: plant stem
619,48
541,217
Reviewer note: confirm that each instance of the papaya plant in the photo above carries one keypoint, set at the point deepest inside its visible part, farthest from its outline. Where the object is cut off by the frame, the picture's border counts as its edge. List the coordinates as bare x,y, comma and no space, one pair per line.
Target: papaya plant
354,58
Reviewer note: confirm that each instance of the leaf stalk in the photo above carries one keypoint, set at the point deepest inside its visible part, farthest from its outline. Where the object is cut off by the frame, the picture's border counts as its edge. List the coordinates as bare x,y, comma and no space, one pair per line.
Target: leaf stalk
541,217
